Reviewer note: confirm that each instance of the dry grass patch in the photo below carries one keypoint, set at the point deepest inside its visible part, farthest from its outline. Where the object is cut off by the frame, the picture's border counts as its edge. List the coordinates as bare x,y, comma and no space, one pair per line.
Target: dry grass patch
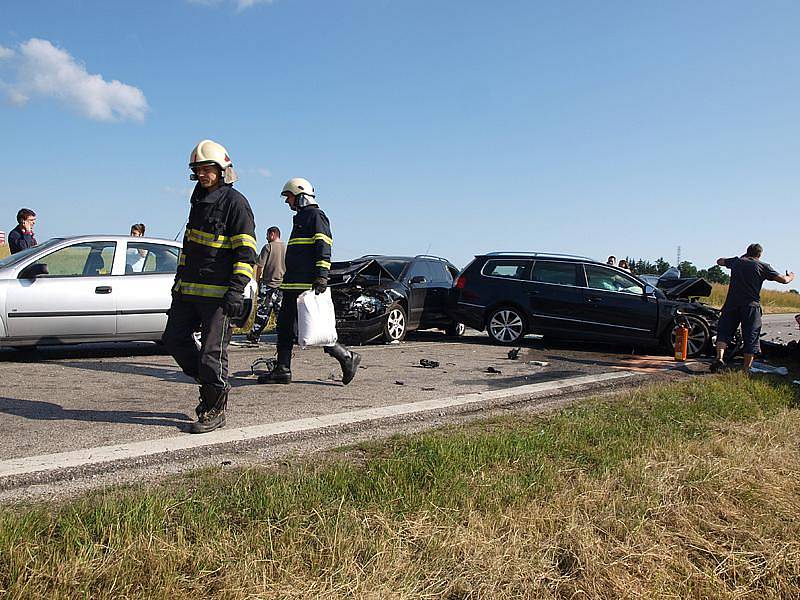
679,491
772,301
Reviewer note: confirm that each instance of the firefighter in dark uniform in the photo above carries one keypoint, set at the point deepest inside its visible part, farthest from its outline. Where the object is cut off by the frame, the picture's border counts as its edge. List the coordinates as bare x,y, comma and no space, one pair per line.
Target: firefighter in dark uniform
308,260
215,265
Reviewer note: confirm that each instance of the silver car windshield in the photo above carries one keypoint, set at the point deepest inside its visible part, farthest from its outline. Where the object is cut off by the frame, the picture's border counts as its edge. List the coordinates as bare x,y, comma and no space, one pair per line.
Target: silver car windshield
14,259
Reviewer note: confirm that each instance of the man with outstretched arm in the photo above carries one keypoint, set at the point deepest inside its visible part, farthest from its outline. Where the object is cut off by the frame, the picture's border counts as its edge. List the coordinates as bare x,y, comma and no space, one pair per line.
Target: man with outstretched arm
215,265
743,303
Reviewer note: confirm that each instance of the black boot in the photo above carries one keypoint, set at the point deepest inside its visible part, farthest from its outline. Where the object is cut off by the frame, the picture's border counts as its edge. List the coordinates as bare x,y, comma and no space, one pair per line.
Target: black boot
279,374
211,410
348,360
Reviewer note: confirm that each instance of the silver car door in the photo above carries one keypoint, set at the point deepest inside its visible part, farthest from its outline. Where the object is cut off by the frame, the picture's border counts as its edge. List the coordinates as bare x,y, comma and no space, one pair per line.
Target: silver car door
74,300
145,289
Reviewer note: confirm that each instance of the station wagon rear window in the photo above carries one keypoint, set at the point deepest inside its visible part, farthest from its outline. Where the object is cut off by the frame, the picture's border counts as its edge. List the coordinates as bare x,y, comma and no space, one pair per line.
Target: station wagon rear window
558,273
507,268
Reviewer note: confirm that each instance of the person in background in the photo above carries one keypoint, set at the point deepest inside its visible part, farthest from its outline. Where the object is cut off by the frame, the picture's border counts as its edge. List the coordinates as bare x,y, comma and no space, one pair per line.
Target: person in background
135,257
612,261
21,236
269,274
743,303
623,264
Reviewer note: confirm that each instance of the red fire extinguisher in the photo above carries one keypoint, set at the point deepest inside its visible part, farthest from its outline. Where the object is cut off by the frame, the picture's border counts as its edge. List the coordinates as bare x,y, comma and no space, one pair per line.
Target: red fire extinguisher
681,341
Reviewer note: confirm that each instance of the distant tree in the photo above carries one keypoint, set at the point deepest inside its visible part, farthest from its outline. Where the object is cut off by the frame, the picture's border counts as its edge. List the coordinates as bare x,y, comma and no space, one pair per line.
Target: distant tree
715,274
687,269
793,291
661,266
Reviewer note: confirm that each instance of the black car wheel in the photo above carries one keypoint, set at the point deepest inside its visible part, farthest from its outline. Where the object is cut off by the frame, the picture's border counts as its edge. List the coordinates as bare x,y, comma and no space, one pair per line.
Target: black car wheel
506,325
699,337
455,329
396,324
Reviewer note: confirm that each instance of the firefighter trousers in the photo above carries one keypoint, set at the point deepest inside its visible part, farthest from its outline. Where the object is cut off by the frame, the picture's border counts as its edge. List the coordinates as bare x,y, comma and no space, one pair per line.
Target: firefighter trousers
209,363
287,331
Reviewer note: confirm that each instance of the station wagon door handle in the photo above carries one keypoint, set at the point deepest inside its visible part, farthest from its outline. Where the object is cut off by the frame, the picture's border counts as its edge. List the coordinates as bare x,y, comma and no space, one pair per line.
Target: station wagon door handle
593,299
103,289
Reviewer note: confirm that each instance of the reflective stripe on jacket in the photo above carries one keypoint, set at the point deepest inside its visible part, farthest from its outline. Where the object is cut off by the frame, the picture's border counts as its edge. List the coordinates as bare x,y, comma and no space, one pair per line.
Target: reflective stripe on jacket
219,246
308,251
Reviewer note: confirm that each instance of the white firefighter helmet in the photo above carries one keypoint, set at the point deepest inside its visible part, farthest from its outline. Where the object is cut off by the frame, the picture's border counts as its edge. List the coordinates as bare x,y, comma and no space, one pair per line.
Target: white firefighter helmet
297,186
209,152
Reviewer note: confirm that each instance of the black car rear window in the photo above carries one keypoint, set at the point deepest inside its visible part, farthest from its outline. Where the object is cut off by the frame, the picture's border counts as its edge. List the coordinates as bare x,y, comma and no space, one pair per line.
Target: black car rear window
507,268
558,273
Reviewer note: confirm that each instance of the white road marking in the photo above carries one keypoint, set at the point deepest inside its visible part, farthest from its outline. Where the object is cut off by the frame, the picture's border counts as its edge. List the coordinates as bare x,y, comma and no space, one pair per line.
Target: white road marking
104,454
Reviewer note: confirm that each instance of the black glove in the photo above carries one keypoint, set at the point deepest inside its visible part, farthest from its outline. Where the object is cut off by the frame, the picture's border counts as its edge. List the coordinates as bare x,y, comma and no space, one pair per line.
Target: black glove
232,304
319,285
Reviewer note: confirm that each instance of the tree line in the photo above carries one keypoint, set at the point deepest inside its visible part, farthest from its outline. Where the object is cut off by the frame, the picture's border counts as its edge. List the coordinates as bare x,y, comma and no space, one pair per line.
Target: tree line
713,274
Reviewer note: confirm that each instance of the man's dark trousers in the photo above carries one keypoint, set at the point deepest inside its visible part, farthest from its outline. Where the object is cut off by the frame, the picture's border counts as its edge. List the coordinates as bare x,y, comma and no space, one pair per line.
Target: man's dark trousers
287,327
209,365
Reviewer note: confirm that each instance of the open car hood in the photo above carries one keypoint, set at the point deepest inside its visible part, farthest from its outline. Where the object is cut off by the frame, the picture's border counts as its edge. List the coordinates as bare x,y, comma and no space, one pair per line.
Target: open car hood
685,288
346,272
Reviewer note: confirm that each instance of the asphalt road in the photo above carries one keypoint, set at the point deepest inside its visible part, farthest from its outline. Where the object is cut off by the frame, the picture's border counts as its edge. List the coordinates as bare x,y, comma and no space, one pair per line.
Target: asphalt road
132,398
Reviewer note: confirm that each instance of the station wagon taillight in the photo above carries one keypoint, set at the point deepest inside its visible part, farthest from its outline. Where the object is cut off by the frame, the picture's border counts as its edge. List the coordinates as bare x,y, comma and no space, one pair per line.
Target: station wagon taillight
461,282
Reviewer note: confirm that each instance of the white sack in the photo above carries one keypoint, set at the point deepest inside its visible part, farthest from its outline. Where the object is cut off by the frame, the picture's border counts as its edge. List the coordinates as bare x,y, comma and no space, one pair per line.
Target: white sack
316,319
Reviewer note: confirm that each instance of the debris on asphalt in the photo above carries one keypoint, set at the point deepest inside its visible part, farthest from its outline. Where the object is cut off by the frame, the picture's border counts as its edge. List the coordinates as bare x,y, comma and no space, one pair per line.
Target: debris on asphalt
267,363
759,367
538,363
428,389
513,354
493,370
428,364
394,342
399,382
226,463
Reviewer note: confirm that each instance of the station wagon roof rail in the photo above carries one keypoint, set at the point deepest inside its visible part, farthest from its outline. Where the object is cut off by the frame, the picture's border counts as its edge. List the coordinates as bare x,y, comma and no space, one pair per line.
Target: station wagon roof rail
542,254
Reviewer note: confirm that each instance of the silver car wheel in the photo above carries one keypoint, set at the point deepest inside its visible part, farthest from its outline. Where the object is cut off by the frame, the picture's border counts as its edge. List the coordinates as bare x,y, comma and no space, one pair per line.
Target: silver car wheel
506,326
396,324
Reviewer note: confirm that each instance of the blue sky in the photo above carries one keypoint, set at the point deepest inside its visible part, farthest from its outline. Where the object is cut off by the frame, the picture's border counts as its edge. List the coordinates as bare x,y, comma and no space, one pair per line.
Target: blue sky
444,127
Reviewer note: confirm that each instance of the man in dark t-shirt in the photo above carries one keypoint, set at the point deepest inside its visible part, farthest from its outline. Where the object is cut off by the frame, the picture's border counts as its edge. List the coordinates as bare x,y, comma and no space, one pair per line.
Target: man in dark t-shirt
743,303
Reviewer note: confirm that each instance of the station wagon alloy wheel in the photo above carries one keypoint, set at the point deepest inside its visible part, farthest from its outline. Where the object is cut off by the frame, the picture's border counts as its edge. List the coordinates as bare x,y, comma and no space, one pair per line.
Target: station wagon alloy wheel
506,326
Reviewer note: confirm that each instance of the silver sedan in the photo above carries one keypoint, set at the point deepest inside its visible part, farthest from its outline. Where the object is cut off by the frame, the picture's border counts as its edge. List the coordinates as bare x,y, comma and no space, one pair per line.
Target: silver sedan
87,289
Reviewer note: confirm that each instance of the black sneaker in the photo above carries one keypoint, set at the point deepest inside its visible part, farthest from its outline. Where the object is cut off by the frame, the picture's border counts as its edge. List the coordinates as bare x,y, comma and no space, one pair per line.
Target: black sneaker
350,369
717,366
209,421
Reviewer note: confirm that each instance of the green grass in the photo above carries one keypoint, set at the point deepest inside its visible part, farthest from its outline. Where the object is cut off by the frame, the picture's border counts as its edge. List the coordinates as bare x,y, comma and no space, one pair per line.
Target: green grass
772,301
680,490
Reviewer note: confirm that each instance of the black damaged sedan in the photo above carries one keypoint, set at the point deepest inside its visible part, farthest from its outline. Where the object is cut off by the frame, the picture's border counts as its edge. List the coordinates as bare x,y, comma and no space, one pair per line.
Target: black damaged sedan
384,297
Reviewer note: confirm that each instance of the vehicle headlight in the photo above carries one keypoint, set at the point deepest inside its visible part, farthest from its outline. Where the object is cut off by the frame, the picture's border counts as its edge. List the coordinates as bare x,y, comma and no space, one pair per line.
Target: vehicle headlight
366,305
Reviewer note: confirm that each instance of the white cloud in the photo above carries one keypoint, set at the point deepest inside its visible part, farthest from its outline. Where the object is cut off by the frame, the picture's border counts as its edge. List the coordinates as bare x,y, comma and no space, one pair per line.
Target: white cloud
264,172
239,4
49,72
6,52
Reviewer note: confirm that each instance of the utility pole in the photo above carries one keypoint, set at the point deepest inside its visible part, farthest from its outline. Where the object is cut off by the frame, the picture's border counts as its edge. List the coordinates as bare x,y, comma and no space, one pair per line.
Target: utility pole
679,256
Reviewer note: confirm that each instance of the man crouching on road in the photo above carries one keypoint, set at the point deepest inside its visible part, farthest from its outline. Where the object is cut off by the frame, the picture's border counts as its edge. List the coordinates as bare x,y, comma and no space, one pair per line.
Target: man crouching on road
743,303
219,251
308,259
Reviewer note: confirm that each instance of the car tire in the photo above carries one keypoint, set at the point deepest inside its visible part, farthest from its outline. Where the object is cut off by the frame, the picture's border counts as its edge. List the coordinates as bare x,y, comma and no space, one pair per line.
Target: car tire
396,325
455,329
699,337
506,325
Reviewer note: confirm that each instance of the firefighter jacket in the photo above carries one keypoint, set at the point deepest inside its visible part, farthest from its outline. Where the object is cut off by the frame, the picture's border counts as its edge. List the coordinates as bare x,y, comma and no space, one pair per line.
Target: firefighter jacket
219,246
308,251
